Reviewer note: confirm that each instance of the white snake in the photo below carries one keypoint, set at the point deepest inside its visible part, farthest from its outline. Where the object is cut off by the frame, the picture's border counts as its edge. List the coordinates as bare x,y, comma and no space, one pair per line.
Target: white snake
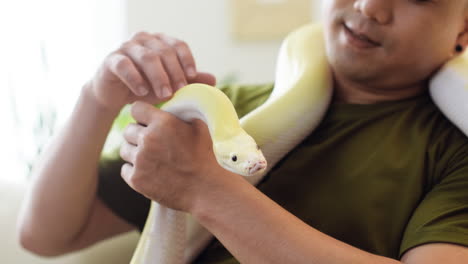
299,100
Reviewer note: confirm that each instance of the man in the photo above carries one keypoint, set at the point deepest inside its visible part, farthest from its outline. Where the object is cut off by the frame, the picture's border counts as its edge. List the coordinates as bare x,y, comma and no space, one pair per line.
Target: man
384,179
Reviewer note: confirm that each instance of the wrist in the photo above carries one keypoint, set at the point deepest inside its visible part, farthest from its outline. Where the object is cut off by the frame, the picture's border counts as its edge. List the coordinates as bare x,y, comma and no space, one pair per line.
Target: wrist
88,94
217,195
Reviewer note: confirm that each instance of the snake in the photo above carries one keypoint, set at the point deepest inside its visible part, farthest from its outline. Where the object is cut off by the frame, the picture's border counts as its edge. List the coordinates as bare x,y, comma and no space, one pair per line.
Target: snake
252,145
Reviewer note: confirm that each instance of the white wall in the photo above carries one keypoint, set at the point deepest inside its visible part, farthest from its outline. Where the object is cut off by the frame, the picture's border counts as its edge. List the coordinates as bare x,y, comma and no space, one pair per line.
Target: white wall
204,25
48,51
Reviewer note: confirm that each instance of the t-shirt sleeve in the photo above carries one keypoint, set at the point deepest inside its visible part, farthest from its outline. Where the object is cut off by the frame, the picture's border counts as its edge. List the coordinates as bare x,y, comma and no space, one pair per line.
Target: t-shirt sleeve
442,215
131,205
246,98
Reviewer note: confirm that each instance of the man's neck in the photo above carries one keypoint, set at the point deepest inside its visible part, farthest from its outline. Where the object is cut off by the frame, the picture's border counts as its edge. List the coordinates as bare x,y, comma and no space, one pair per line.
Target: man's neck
354,93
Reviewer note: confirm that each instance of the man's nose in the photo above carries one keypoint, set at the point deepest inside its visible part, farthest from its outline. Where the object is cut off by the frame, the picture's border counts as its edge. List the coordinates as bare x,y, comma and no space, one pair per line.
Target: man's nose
379,10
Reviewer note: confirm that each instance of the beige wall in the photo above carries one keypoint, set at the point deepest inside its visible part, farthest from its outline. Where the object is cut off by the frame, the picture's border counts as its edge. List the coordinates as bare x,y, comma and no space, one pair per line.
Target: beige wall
205,25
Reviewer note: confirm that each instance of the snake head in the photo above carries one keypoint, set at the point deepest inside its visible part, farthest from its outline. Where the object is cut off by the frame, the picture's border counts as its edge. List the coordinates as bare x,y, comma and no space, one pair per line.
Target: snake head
240,154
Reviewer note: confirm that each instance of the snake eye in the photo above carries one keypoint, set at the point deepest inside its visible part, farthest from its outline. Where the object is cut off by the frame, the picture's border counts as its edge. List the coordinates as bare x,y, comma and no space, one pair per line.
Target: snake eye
234,158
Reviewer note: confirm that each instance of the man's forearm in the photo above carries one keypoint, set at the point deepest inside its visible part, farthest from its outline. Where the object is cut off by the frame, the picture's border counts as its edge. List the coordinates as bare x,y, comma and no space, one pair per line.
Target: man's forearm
65,180
257,230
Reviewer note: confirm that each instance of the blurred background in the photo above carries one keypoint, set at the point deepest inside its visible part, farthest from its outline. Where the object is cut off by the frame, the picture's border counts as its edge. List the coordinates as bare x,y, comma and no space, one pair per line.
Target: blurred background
50,48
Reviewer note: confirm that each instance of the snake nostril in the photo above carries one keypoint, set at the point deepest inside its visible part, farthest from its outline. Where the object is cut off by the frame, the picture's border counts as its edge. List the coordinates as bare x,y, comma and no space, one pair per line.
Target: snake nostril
257,167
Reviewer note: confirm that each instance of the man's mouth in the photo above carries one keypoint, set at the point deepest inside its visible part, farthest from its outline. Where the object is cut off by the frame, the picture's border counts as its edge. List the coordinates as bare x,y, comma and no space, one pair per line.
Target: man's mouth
359,39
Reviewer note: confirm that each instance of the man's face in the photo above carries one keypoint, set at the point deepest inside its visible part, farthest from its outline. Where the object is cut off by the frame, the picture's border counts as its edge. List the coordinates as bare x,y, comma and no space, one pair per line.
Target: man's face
410,39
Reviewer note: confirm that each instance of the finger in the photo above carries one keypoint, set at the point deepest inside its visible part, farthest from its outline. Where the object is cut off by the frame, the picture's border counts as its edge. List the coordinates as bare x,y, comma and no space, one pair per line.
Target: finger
128,152
141,36
170,61
126,71
132,133
184,54
143,112
126,172
206,78
149,62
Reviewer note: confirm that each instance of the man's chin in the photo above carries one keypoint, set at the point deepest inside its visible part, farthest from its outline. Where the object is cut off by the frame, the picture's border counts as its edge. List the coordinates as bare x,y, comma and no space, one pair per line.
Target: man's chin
355,71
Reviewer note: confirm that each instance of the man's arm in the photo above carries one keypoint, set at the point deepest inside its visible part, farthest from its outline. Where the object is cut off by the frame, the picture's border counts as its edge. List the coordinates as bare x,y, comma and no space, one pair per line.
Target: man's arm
62,212
436,253
257,230
62,203
102,223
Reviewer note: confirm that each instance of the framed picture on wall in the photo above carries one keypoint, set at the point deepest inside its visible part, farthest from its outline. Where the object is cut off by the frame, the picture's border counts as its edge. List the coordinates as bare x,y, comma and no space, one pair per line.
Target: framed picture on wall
268,19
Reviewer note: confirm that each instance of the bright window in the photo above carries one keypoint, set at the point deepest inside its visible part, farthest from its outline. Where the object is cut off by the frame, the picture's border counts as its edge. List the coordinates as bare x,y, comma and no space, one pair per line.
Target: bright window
48,50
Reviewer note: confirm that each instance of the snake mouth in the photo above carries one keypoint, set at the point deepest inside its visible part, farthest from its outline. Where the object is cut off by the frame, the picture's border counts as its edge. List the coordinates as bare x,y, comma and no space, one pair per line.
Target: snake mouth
257,167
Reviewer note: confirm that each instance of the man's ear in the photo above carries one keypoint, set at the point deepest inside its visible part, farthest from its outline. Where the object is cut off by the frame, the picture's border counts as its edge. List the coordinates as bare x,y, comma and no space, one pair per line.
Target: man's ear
462,38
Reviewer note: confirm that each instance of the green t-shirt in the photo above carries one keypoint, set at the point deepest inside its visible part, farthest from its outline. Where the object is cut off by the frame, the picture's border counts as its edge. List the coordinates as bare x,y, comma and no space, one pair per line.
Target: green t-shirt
383,177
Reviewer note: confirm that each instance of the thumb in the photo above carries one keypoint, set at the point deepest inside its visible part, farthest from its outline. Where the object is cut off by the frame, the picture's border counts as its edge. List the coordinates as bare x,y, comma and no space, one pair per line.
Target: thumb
204,77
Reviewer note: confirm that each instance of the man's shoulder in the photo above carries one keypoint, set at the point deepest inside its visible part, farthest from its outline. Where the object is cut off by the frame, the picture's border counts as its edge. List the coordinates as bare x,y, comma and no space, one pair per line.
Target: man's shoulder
447,147
442,127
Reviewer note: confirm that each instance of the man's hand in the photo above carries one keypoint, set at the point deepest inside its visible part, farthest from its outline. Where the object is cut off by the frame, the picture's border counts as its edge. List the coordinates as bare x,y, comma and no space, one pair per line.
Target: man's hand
169,161
148,67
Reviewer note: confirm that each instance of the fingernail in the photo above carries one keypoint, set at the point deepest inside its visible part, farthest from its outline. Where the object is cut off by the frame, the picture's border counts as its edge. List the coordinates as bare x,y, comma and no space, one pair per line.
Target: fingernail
142,91
160,92
180,85
191,72
166,92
